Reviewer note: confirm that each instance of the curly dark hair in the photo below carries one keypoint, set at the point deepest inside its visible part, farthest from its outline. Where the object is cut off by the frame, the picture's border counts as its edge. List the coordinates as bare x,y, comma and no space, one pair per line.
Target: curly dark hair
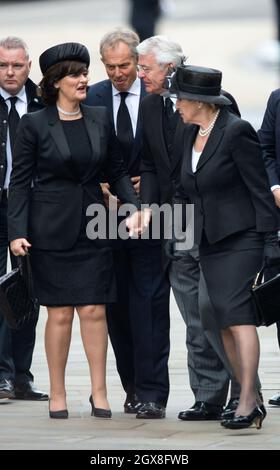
55,73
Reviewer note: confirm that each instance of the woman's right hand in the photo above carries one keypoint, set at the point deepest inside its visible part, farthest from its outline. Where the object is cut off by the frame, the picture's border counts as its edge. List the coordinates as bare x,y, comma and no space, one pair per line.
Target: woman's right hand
19,246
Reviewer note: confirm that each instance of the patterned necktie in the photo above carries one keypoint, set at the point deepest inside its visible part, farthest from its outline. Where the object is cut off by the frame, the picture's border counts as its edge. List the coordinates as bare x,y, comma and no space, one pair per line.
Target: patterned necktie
168,109
169,125
124,127
13,120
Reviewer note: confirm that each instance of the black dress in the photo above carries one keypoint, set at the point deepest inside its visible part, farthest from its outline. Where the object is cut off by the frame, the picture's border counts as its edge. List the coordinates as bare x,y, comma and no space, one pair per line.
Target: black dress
84,274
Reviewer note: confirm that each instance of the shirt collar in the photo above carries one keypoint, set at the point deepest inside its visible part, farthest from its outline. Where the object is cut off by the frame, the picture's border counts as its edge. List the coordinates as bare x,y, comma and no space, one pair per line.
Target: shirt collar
21,95
135,88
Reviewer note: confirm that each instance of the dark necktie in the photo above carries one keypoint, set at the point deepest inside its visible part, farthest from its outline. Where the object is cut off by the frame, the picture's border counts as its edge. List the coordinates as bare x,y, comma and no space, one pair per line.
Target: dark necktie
168,109
124,127
169,124
13,120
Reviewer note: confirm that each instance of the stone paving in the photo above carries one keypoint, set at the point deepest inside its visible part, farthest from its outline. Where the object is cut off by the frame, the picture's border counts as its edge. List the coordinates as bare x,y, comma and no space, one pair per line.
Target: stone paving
25,425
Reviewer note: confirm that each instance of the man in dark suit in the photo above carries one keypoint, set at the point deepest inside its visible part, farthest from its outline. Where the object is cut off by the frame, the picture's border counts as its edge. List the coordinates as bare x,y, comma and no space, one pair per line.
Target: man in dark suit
139,323
144,15
269,135
209,371
17,96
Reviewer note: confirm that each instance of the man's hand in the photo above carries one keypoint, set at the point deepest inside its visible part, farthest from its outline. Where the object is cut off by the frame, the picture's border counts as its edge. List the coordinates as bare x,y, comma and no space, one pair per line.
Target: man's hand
276,194
108,196
136,183
138,222
19,246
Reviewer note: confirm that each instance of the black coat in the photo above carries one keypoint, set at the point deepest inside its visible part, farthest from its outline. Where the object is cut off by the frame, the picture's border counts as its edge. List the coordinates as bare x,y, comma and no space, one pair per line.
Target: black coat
230,189
34,103
49,213
159,171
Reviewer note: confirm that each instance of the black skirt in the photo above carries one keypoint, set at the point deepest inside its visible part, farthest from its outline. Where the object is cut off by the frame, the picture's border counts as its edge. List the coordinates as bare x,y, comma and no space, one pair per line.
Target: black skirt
229,267
83,275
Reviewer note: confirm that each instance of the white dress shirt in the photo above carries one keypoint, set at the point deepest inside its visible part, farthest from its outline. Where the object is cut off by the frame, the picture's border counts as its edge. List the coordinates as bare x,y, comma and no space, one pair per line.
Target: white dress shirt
132,102
21,107
195,158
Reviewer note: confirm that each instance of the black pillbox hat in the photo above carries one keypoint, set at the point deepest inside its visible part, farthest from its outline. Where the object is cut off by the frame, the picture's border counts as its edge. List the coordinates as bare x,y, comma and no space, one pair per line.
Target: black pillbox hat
60,52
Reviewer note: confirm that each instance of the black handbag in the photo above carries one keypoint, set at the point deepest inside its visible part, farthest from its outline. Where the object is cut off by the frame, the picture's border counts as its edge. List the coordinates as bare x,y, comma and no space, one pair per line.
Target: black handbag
266,296
17,301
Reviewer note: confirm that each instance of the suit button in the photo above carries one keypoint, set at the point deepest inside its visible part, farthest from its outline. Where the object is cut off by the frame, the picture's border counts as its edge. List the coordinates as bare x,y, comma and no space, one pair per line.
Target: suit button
201,211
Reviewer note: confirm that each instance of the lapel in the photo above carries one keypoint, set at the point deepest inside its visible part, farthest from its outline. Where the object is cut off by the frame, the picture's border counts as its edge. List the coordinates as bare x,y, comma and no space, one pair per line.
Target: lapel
214,139
190,132
156,109
93,130
177,148
137,139
106,98
57,133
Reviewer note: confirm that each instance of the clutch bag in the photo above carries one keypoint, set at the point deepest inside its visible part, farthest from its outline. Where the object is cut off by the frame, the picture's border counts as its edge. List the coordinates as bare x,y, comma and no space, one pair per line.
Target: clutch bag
266,297
17,301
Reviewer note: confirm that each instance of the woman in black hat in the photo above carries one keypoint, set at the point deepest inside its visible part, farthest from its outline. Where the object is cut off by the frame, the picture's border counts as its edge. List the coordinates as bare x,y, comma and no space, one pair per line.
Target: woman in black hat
223,175
60,154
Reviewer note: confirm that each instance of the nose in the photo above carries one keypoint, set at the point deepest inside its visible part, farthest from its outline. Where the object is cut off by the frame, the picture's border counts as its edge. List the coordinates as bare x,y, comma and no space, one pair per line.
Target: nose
118,72
10,70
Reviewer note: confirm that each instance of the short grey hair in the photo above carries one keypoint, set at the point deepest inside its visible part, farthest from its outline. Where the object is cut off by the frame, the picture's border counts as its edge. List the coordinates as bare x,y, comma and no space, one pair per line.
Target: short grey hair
13,42
117,35
164,49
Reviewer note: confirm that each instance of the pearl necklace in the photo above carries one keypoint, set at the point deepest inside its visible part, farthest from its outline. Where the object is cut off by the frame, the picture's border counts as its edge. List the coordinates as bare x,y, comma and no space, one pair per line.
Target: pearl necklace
204,132
68,113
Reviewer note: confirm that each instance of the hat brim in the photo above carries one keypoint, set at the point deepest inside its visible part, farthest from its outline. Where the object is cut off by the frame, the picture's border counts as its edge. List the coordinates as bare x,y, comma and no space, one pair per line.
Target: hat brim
220,100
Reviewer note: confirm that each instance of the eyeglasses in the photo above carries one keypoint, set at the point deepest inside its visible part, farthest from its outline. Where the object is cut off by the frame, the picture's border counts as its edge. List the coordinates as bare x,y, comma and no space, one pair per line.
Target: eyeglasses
143,68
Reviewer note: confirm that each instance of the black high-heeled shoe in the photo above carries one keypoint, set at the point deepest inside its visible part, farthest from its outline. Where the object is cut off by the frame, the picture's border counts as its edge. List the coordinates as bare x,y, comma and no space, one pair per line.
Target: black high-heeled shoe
60,414
231,414
99,412
241,422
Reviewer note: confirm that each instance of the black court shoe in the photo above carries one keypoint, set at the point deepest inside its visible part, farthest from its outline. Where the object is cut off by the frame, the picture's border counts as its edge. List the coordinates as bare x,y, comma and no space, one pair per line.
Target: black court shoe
99,412
242,422
60,414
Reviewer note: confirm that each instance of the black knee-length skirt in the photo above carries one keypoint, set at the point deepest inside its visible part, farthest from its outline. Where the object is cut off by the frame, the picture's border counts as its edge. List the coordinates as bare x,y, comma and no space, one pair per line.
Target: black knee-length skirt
83,275
229,267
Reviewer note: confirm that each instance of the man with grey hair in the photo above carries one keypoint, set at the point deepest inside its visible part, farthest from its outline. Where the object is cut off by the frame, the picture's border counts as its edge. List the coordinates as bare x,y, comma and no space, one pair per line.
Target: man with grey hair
138,323
17,96
208,367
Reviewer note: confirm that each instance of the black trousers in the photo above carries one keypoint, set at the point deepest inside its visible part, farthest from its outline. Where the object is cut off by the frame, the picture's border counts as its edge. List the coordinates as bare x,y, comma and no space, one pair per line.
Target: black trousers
269,274
16,346
139,323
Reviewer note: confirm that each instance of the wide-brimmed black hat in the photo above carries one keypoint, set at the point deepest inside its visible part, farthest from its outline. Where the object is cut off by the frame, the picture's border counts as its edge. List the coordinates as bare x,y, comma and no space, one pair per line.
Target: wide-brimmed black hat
67,51
191,82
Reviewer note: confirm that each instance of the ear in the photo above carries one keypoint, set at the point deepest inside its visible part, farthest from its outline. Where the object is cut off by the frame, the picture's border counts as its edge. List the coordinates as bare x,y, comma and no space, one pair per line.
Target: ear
171,69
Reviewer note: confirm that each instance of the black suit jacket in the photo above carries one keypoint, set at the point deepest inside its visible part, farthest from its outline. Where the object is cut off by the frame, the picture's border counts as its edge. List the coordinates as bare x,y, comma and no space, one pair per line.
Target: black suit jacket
34,103
159,172
49,213
230,189
100,94
269,135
